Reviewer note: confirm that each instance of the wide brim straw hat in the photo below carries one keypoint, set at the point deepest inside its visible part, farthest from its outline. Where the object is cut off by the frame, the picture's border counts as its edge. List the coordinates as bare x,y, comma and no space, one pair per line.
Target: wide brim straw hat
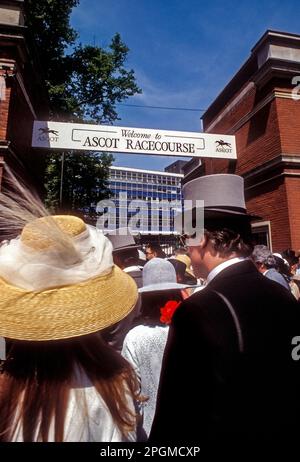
58,281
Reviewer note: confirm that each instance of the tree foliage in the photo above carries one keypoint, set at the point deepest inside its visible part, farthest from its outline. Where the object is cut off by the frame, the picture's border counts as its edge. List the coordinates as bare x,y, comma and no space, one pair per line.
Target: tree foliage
85,82
80,188
49,24
99,81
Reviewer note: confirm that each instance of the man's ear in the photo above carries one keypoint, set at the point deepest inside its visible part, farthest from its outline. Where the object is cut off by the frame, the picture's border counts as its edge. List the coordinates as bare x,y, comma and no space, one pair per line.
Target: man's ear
203,241
198,241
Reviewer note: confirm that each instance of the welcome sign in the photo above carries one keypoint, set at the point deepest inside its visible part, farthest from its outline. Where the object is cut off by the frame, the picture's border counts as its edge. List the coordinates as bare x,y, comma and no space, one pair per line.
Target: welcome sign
60,135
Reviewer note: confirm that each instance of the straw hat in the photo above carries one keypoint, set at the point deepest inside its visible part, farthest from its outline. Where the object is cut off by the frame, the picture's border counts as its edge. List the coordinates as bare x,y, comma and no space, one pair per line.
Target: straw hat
58,281
188,262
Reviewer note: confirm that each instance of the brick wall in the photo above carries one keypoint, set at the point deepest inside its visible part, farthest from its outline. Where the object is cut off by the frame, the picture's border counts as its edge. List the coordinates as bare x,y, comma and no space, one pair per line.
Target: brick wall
273,130
16,123
289,125
233,115
270,201
272,192
257,141
4,109
293,201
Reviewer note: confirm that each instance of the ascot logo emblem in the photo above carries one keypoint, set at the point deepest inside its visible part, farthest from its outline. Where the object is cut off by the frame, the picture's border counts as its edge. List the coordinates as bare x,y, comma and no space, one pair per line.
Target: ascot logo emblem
223,146
223,143
46,134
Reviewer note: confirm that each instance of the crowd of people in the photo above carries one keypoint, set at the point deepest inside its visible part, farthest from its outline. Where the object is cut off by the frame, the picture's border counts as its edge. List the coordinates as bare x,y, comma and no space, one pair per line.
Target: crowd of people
107,342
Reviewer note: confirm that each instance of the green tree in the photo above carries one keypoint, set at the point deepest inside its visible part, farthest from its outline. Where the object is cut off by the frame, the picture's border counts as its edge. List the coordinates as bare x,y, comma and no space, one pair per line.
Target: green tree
85,83
98,80
49,24
80,188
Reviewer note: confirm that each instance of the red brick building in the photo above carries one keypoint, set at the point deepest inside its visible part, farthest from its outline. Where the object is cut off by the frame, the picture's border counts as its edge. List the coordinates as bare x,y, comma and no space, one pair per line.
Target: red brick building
261,108
22,95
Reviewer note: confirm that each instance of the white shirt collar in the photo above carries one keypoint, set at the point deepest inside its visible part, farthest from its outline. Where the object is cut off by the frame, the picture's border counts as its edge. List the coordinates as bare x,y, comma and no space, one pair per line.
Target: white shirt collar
129,269
222,266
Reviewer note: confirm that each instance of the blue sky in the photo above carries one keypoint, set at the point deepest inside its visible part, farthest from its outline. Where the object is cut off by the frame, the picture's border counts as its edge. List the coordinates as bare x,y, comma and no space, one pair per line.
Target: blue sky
183,53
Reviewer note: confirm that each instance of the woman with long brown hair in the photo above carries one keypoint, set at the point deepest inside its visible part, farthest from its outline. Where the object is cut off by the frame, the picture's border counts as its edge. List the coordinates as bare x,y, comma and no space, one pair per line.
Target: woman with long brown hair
72,390
58,289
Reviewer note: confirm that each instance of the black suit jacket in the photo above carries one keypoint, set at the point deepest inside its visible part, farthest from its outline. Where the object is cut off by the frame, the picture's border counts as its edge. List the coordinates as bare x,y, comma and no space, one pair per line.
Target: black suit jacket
115,334
210,391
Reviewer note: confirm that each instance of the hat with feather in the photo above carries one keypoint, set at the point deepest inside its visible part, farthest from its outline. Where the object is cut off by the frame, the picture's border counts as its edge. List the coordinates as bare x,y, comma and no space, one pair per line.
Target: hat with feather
57,278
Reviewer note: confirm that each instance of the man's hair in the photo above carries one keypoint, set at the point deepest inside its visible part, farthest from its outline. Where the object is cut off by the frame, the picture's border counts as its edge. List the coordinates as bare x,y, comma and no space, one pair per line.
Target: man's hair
128,257
290,256
261,254
230,235
180,251
157,249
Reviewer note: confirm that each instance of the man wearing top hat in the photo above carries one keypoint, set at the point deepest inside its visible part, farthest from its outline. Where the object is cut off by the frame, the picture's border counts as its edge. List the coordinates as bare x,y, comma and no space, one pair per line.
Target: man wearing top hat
126,256
228,377
125,253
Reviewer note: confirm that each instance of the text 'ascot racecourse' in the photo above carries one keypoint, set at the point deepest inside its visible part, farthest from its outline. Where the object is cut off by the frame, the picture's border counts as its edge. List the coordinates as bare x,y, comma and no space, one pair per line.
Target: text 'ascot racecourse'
59,135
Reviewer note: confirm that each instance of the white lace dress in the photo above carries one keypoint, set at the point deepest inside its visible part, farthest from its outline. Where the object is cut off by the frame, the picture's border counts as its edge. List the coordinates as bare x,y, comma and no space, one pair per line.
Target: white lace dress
144,347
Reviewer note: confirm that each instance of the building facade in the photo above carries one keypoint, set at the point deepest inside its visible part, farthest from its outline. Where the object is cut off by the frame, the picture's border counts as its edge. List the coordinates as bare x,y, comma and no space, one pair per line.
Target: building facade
261,107
146,200
176,167
23,96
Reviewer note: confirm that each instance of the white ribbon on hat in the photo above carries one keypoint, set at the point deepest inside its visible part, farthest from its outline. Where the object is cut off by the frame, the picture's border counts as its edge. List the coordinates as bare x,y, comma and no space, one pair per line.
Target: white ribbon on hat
34,270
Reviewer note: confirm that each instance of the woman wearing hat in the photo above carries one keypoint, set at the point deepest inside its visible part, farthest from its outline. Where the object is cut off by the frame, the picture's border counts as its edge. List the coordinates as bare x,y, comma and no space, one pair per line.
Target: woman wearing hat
144,344
60,381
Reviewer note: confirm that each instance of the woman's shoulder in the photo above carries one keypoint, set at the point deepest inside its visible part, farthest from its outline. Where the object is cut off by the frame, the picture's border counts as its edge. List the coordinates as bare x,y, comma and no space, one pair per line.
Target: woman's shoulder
140,337
88,417
144,330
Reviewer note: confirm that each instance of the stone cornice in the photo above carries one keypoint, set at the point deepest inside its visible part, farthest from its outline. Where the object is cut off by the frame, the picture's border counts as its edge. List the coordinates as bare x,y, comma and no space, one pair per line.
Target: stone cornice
272,169
276,54
275,67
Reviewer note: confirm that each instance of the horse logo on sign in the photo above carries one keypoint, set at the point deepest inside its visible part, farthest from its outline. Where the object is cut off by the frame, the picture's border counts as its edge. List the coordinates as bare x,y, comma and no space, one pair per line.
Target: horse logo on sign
47,131
223,146
47,134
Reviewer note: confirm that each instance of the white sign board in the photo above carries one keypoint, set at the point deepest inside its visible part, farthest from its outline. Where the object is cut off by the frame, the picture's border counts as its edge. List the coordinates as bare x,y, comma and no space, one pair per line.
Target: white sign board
59,135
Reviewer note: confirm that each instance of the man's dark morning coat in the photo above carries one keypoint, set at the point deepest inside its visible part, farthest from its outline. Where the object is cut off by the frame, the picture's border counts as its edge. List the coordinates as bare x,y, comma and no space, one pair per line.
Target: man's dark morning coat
228,372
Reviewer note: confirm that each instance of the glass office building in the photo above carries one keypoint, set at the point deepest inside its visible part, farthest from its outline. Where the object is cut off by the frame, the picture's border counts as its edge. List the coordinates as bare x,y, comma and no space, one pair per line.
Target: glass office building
146,201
